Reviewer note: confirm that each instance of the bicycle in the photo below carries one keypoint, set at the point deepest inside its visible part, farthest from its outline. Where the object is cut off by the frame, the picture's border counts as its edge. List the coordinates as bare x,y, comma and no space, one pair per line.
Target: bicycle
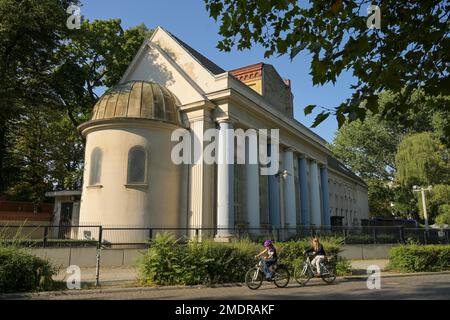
306,271
255,276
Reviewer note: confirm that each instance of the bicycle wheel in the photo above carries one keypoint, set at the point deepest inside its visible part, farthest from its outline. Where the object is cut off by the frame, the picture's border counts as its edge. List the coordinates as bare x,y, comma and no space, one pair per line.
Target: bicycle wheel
254,278
281,277
327,275
302,274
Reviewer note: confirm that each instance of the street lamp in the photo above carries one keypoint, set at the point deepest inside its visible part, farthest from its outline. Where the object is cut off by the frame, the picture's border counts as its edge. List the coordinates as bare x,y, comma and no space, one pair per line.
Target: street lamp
422,191
283,174
392,209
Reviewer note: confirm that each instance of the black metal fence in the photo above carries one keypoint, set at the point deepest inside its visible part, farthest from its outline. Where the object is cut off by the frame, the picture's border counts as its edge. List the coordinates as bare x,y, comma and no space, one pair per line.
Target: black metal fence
85,236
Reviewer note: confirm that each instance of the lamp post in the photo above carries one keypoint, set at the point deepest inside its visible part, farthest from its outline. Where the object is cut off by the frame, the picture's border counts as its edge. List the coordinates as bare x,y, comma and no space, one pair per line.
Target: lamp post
422,191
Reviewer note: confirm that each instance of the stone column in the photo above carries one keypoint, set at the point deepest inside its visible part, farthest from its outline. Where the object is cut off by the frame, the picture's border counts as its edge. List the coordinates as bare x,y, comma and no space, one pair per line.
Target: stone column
252,183
225,179
315,194
289,189
325,195
274,198
200,201
304,191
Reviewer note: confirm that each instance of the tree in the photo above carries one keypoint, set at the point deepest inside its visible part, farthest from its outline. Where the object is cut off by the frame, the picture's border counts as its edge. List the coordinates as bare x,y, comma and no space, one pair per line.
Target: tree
45,153
30,32
379,197
50,79
369,148
438,201
410,51
96,56
422,159
444,215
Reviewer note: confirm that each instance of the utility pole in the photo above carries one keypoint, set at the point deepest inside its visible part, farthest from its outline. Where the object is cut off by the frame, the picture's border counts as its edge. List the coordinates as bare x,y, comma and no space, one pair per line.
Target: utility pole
422,191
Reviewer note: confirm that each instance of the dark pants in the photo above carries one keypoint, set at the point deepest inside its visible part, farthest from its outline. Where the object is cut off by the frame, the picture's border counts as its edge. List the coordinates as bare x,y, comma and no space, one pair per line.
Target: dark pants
267,264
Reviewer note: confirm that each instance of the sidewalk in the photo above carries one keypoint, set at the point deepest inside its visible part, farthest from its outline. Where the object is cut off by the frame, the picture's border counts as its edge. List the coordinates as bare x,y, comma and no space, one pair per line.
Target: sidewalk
120,275
107,275
360,266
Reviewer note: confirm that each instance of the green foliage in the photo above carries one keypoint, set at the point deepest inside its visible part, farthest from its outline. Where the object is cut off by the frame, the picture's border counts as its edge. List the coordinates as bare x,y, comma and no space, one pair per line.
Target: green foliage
414,258
343,267
30,33
444,215
45,152
422,159
50,76
291,252
169,261
368,148
438,202
23,272
379,196
403,54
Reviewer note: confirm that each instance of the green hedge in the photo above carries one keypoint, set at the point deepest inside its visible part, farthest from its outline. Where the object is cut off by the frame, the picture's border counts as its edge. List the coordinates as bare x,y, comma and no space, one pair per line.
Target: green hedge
23,272
416,258
170,262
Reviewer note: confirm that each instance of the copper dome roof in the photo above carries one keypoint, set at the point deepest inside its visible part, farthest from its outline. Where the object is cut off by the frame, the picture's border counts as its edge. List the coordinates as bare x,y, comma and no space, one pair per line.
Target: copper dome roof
138,99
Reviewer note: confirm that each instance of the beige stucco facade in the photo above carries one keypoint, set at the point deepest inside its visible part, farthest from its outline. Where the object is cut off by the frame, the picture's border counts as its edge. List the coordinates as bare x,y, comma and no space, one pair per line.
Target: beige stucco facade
199,195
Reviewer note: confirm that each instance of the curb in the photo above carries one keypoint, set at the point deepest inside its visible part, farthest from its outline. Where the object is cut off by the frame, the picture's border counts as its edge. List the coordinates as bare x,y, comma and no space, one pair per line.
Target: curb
145,289
110,290
395,275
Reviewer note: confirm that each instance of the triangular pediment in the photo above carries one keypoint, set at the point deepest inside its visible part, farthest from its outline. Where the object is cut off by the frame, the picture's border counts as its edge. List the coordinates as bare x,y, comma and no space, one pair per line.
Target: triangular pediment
167,60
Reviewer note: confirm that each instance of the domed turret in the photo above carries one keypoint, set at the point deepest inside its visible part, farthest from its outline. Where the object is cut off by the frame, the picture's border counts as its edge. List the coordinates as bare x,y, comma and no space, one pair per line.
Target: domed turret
130,179
138,99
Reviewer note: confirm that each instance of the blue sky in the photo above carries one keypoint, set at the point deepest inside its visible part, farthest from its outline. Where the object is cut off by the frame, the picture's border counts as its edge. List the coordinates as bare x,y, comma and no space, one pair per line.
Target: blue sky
188,20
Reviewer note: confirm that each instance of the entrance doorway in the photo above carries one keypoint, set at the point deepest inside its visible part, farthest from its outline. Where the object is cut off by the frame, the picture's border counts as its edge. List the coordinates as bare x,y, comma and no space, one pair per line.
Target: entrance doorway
65,220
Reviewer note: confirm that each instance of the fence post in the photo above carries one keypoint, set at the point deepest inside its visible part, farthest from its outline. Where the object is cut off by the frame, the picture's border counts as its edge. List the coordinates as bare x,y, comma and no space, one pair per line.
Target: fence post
345,236
400,229
150,234
446,235
100,237
374,230
425,237
196,234
278,234
45,236
97,267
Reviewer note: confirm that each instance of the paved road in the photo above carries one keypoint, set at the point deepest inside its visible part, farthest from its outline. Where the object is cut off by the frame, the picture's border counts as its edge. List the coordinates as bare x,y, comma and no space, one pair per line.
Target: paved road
434,286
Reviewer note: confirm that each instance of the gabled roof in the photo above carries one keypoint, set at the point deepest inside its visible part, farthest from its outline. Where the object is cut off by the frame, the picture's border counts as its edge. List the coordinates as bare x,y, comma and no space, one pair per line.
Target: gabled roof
335,164
204,61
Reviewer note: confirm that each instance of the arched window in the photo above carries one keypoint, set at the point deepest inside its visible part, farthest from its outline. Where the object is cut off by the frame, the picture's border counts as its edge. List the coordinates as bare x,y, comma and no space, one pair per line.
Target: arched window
137,164
96,167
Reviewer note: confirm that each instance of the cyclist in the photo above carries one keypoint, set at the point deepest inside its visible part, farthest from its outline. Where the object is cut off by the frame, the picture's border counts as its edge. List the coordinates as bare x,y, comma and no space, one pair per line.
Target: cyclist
270,259
319,252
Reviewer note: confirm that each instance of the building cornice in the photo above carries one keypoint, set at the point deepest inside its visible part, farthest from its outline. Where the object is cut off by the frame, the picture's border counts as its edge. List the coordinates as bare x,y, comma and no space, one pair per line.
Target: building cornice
348,177
267,112
121,123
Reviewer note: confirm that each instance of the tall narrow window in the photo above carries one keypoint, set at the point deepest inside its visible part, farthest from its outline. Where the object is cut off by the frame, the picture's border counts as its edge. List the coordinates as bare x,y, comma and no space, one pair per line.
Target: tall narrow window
96,167
137,166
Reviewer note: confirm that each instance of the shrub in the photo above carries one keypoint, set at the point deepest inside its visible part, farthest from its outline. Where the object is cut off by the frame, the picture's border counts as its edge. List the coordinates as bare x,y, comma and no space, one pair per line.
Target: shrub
343,267
23,272
414,258
169,262
290,253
